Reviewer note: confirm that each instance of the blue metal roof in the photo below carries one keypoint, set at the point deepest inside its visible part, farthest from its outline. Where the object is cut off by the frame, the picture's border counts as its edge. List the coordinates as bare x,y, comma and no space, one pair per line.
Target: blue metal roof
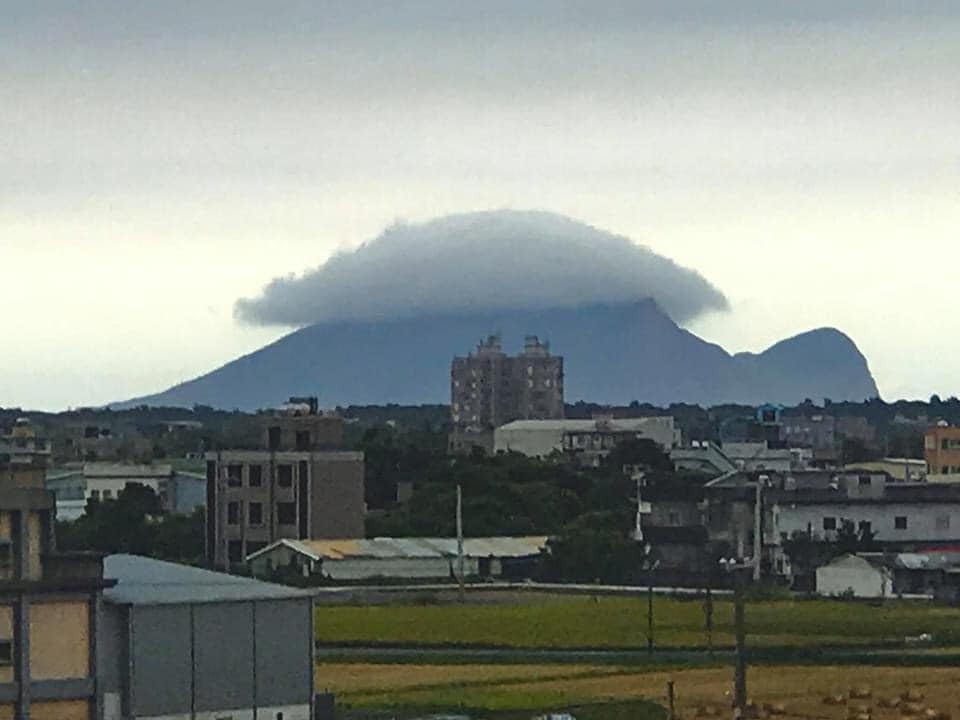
145,581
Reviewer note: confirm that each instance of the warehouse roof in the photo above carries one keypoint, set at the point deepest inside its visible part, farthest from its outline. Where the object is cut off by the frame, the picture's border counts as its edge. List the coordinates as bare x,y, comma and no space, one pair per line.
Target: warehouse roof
145,581
501,547
575,425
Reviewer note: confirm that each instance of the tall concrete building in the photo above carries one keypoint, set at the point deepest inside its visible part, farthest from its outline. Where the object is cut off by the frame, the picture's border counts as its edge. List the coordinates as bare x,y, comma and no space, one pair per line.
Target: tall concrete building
298,485
49,602
489,388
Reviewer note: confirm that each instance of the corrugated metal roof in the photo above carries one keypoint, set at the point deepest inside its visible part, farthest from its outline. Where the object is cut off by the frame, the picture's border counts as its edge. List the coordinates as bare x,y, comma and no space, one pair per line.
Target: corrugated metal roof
385,548
145,581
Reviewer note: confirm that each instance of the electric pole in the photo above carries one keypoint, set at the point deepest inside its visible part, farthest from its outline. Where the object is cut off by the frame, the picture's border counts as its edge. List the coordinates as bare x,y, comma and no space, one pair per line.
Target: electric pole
460,571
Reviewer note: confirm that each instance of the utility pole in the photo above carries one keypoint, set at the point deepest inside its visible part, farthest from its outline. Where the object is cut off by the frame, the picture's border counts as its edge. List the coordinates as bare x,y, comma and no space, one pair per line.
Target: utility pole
740,669
650,613
758,529
460,571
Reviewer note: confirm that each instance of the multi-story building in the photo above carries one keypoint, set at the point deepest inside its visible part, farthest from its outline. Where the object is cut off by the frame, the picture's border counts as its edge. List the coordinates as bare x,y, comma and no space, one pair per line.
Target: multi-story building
489,388
49,602
299,485
941,450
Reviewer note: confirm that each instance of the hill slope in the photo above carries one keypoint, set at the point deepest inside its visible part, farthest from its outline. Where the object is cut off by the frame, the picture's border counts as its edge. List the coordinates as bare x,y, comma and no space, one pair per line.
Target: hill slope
613,354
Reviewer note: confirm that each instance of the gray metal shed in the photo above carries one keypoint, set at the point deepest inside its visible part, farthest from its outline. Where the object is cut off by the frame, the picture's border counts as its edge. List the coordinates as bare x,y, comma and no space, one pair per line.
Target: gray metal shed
183,643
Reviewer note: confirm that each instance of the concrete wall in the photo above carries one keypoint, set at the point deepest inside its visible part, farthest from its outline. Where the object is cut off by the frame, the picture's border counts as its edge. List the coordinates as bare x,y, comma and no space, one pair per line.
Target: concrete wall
59,640
337,506
539,442
856,575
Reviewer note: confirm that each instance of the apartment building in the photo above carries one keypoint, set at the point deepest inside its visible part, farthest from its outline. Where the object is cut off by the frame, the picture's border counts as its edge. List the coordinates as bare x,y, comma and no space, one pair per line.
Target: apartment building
299,485
489,388
49,602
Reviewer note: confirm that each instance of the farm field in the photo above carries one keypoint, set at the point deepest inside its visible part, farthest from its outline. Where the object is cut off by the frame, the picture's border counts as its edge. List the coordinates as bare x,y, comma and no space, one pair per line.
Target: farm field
618,622
611,692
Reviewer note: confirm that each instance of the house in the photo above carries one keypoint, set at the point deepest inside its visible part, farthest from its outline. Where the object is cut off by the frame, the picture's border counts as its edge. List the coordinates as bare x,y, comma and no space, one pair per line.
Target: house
403,558
183,642
853,576
589,441
299,485
900,469
758,456
179,492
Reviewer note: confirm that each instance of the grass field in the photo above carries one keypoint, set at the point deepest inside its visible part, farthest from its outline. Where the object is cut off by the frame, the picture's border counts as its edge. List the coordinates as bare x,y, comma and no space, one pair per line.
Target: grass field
595,693
617,622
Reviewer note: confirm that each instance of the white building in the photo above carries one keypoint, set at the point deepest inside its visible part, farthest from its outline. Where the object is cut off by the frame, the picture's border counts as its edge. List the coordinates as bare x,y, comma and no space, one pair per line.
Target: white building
758,457
178,491
590,439
854,576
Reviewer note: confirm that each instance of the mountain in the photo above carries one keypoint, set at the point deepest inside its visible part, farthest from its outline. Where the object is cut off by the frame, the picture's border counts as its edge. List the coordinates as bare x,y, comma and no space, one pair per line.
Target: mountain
613,353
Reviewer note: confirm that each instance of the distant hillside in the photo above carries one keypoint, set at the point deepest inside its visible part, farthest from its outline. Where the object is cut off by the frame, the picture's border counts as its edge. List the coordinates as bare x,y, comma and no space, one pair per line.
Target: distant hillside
614,353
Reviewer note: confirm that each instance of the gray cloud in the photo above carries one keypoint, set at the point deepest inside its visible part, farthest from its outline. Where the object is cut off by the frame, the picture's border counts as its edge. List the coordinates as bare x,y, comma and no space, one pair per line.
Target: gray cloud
481,261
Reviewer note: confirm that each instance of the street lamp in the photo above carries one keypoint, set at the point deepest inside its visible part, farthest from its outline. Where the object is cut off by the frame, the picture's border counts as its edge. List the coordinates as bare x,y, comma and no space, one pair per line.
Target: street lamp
733,566
649,564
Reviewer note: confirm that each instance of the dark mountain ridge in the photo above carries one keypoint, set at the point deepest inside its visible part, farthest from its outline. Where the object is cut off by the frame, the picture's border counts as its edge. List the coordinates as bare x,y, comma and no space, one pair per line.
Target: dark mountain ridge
613,353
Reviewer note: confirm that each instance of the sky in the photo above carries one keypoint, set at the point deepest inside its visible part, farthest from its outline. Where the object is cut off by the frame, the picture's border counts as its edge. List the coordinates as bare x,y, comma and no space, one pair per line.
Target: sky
161,161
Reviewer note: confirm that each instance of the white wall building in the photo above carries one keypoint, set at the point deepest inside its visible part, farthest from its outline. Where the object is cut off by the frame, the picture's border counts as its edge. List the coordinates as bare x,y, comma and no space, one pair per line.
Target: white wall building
851,575
592,439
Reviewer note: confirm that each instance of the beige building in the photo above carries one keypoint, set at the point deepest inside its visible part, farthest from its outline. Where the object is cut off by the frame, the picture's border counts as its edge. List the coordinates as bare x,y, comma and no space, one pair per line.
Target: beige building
587,440
298,487
49,602
489,388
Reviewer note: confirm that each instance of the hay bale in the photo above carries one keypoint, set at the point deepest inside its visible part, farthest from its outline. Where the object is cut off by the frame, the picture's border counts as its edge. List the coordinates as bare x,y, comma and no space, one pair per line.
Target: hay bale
835,700
886,702
861,692
912,695
781,709
912,708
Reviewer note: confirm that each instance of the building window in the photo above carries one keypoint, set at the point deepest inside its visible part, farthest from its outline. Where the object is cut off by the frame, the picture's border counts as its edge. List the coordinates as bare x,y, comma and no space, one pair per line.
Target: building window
234,475
273,438
943,522
235,551
302,440
863,480
255,475
829,523
233,513
865,527
253,547
6,653
285,475
94,494
107,494
6,556
900,522
944,444
674,518
287,513
255,513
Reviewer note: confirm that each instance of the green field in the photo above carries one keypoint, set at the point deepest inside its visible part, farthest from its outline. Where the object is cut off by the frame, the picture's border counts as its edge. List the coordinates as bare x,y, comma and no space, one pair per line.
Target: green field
617,622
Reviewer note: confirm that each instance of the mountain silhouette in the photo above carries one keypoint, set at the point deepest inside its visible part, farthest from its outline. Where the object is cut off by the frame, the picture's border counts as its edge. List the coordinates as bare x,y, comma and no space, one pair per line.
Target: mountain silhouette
613,353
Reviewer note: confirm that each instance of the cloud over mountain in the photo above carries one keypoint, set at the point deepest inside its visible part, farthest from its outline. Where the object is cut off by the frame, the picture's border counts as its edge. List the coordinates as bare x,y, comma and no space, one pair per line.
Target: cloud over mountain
494,260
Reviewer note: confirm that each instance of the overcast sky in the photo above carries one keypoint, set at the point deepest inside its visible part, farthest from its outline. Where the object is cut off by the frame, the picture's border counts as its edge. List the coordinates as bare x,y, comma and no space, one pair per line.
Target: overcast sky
159,161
